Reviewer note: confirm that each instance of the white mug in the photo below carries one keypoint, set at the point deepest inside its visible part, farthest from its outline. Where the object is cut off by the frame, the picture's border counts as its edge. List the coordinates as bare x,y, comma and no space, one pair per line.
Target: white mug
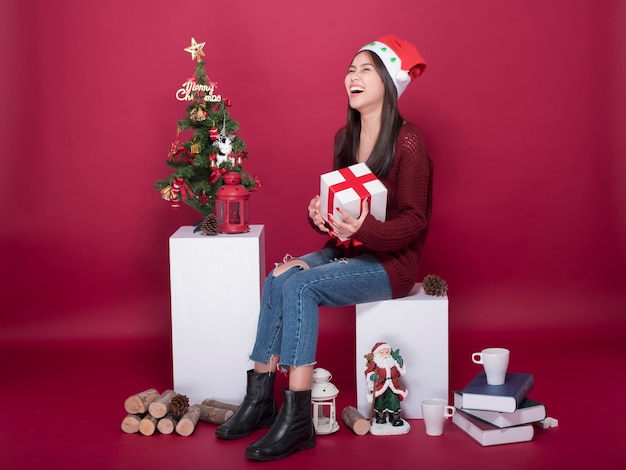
495,361
435,411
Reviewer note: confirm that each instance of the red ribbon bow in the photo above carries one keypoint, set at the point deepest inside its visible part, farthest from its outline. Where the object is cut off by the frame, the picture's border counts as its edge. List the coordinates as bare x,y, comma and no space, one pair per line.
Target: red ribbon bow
215,174
346,243
180,187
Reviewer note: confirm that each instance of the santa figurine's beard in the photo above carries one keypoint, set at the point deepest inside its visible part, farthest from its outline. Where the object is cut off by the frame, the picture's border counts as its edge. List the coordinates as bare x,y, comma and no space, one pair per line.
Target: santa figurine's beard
385,362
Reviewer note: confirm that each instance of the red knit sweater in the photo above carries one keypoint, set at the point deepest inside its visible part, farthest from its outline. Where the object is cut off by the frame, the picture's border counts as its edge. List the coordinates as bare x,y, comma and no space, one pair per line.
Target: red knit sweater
398,242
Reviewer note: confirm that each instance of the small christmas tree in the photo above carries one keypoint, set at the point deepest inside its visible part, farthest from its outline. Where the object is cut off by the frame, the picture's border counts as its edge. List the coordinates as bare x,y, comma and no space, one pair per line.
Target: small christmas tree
212,149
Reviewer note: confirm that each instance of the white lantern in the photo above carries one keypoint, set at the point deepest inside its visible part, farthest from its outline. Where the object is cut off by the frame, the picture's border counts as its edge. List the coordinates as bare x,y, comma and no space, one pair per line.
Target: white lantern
323,394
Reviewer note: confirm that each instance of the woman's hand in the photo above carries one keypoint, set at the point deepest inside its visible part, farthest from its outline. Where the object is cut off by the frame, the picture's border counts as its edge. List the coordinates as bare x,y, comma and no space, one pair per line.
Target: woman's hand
314,214
350,225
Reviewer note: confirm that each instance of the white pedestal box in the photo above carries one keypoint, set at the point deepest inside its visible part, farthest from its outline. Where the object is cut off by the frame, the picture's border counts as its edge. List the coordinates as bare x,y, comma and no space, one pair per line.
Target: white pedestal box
417,325
216,291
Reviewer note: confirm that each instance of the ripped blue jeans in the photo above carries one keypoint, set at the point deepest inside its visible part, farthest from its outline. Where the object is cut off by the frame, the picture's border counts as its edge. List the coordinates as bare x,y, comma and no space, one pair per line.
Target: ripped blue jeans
288,319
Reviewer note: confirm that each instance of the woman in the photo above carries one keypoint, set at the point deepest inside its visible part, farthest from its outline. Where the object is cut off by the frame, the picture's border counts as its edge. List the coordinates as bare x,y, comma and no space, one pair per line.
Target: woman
379,263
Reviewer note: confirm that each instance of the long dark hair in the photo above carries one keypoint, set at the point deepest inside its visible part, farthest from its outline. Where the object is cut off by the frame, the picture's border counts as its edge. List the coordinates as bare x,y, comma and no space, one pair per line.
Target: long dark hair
347,141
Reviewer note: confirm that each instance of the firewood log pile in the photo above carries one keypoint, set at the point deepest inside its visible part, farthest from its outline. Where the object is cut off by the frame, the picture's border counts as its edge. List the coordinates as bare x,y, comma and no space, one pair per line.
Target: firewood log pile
168,412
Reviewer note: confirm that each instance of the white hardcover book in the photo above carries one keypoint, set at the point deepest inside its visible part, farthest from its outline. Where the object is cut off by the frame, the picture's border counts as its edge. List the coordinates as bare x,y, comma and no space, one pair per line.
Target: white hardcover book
489,435
529,411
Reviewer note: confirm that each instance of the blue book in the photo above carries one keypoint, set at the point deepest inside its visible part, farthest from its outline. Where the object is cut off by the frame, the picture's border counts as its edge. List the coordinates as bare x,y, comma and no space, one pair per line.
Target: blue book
479,395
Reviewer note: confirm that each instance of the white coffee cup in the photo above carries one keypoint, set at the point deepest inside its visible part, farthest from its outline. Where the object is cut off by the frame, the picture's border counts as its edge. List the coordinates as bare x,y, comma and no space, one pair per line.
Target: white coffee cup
495,361
435,411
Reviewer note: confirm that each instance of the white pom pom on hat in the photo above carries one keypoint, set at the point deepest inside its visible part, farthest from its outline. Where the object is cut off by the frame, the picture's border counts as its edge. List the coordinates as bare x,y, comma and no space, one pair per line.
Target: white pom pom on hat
401,58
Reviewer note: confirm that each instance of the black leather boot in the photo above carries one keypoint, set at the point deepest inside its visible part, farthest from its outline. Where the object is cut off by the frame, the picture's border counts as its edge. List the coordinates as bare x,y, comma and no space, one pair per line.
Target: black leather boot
396,420
293,429
257,410
380,417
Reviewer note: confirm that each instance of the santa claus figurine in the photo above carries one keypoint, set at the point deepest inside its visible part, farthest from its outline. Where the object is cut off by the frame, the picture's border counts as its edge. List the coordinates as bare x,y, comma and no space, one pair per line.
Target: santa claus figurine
384,368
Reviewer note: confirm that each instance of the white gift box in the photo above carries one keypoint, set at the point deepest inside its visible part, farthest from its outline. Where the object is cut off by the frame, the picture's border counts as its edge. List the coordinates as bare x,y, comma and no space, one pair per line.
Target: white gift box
347,188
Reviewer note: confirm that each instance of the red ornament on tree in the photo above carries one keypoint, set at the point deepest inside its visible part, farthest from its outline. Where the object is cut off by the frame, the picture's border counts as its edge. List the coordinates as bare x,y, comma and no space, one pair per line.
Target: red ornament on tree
204,199
213,133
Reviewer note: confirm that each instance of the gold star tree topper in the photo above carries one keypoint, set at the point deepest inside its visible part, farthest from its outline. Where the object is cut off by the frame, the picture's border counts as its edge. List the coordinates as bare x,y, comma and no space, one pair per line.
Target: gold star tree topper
195,49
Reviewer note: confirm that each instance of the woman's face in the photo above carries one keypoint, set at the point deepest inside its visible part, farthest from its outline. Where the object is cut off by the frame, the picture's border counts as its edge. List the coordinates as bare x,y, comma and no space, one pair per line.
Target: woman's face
364,86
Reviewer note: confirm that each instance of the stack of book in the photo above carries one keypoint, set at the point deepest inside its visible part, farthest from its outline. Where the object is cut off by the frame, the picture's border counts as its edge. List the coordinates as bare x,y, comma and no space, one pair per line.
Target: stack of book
498,414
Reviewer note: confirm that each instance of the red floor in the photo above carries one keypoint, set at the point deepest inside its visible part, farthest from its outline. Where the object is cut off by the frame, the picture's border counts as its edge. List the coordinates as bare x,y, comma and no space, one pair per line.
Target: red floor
63,405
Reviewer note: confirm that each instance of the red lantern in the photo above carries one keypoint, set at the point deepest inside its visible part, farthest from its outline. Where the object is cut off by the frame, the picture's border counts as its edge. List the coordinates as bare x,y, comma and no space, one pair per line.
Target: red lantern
231,205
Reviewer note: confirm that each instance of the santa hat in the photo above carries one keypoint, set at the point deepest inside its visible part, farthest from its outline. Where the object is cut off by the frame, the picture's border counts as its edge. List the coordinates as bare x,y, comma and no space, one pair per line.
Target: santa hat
379,347
401,58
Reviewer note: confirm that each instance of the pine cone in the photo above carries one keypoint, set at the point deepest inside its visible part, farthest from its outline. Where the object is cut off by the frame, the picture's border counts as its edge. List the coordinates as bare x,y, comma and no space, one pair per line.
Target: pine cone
179,405
434,285
209,225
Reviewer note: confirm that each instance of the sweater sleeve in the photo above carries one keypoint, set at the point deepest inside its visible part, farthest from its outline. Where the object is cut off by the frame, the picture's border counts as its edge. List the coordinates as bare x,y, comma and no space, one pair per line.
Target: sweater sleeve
408,197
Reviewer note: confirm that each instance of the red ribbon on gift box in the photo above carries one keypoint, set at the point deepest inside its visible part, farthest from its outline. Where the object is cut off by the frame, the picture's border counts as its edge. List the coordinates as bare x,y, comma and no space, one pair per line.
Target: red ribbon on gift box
351,181
345,243
356,183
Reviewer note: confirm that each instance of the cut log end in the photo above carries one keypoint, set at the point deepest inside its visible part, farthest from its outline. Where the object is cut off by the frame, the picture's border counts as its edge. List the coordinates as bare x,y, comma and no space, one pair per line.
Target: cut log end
138,403
355,421
148,425
130,424
159,407
167,424
187,423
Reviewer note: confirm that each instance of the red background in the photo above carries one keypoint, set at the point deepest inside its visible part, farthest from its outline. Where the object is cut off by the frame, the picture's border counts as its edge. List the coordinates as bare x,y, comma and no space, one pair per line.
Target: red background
522,107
